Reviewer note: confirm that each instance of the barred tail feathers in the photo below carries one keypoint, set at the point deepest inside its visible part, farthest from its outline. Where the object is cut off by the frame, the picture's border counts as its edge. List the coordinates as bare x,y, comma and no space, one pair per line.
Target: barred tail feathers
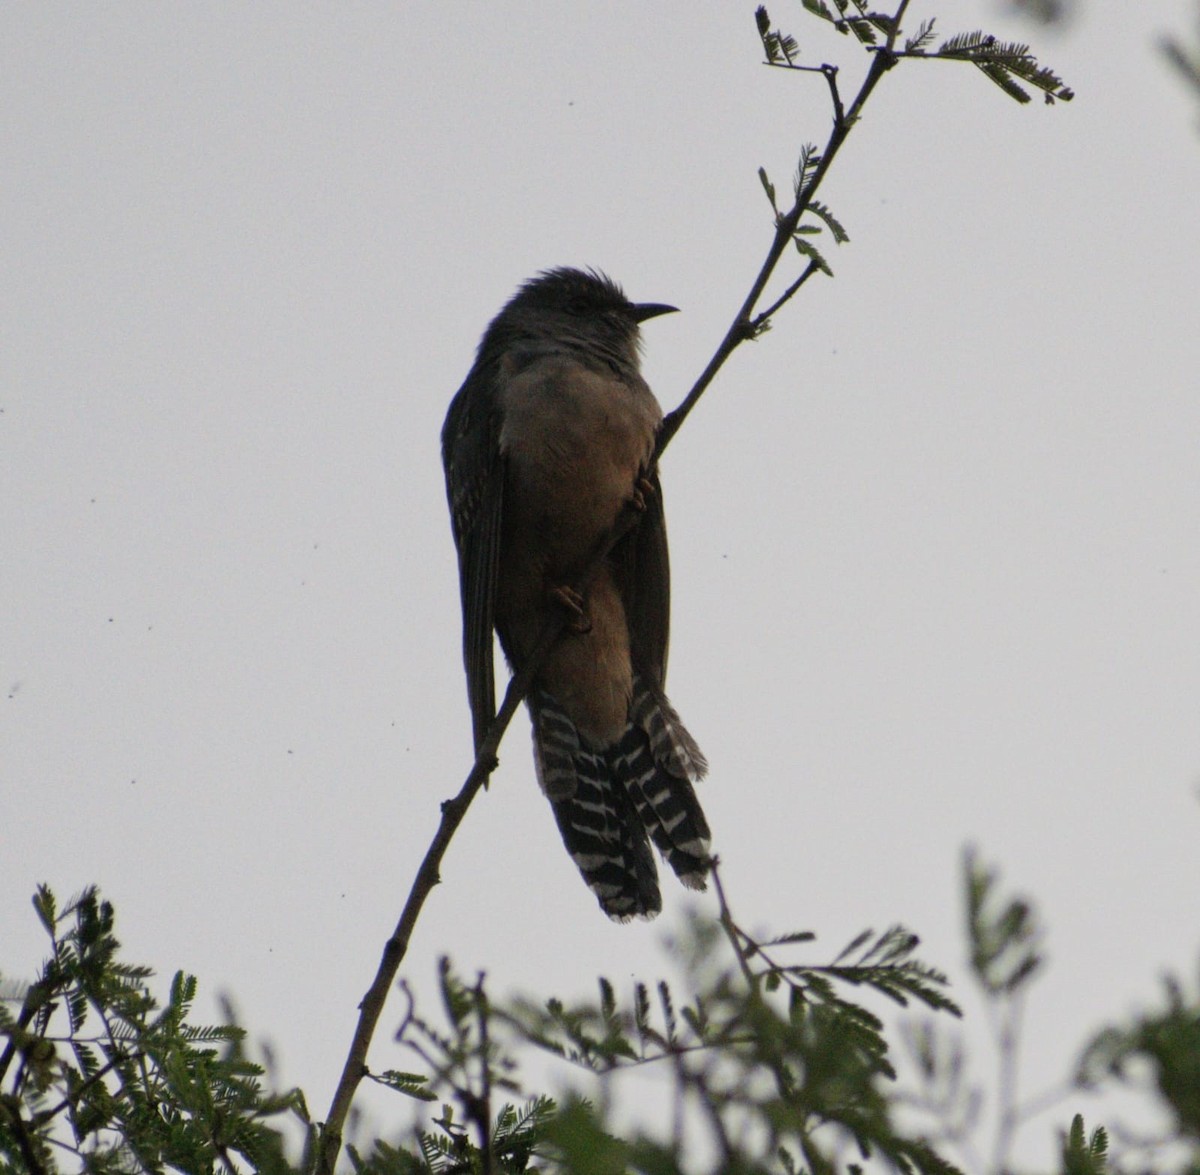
610,802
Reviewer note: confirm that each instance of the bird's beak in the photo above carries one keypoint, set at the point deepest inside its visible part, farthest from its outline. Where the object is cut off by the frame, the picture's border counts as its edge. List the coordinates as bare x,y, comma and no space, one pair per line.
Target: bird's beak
644,310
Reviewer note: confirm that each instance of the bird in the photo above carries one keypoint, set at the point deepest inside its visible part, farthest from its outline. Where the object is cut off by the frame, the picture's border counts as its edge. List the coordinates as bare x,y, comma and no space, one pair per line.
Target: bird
550,436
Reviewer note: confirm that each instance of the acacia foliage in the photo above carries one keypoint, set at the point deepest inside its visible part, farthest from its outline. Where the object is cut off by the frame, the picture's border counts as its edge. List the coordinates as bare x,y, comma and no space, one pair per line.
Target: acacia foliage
767,1060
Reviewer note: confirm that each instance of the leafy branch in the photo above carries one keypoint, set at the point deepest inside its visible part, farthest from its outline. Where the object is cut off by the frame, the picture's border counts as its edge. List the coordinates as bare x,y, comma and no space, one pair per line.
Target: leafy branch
1157,1053
1004,939
1001,61
774,1058
773,1063
464,1063
145,1088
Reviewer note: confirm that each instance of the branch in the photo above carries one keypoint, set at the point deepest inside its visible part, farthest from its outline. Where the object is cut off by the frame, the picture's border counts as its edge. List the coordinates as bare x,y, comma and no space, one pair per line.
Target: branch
772,1057
730,928
71,1101
484,1103
1008,1037
761,319
743,327
37,997
1004,64
25,1142
453,811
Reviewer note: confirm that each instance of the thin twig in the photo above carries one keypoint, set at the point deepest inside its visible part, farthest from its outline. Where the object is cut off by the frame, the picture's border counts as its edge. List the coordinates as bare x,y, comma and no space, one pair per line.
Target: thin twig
795,66
742,327
427,877
731,931
831,75
606,1065
72,1099
25,1142
1008,1044
707,1102
484,1117
1046,1100
453,811
762,317
36,998
772,1056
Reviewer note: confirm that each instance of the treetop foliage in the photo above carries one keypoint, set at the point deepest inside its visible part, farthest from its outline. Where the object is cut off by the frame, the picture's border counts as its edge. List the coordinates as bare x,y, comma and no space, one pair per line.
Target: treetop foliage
771,1060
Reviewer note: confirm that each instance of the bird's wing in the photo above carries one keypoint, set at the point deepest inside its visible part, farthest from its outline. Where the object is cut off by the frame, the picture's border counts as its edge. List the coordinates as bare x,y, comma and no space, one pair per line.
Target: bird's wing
644,578
475,487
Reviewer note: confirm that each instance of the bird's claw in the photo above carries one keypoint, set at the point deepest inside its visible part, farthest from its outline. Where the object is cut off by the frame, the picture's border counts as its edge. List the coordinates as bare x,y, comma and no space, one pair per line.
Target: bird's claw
643,490
573,602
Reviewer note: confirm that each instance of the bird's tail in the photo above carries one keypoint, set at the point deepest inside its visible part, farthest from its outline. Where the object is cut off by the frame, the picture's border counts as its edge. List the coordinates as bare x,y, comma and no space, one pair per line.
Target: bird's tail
610,803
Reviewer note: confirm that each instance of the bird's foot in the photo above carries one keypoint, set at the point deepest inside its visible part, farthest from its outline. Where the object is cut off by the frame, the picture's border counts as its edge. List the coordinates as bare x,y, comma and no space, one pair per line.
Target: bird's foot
643,491
573,602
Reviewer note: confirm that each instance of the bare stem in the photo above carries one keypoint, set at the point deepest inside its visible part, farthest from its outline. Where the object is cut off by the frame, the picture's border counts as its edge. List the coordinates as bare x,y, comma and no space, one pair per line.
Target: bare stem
453,811
761,318
1008,1043
744,326
484,1107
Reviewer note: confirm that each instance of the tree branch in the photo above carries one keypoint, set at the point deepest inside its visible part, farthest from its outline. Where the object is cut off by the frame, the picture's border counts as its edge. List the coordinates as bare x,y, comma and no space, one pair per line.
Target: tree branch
742,327
484,1106
453,811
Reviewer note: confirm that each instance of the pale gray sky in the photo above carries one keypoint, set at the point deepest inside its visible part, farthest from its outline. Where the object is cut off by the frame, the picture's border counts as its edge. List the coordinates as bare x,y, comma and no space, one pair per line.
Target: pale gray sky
936,568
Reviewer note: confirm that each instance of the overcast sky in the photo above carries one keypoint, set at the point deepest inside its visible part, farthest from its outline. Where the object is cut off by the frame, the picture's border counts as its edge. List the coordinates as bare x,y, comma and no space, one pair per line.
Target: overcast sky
934,538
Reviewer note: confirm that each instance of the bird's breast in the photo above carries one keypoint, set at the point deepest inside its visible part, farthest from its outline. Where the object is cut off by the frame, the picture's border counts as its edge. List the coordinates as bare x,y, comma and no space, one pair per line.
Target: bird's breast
575,441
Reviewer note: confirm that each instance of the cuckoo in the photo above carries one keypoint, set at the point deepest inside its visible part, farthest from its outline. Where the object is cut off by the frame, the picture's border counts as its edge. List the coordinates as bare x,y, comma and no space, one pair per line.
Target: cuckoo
549,437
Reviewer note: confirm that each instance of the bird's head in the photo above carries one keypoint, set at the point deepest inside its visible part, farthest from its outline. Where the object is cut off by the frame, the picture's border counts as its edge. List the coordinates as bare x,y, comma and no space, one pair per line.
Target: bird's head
582,310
